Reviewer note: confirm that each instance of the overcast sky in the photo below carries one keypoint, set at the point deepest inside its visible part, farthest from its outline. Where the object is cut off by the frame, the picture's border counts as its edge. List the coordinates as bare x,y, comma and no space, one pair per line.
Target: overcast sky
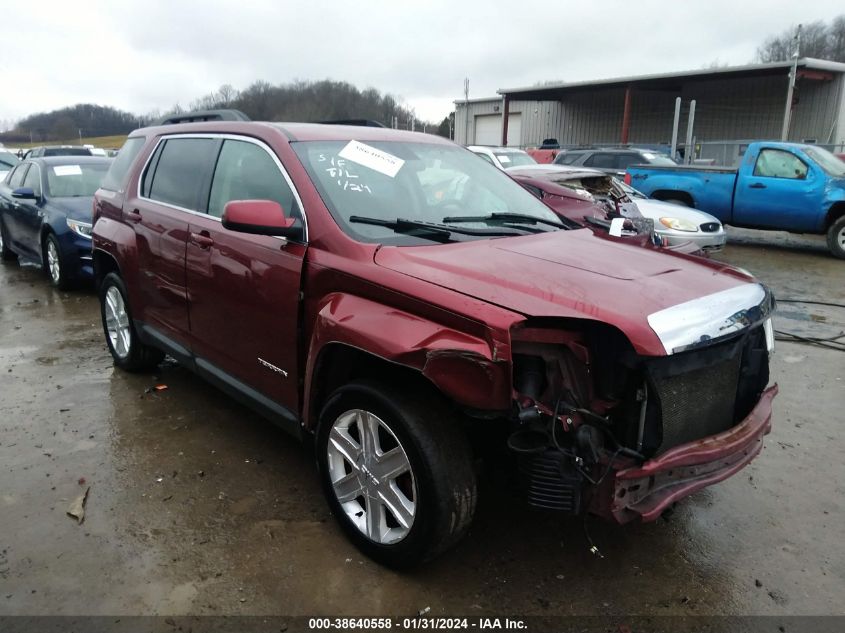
138,55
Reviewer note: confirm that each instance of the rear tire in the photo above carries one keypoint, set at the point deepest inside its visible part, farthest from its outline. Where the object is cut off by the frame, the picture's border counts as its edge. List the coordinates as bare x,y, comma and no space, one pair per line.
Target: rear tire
126,348
397,520
6,254
836,238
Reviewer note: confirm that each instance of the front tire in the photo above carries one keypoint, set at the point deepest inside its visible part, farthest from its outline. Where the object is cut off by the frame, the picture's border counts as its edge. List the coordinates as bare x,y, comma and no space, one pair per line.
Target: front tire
397,471
54,264
836,238
126,348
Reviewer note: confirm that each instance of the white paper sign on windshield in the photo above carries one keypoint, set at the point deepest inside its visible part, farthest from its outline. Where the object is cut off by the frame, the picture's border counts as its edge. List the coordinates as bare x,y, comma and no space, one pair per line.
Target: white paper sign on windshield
373,158
67,170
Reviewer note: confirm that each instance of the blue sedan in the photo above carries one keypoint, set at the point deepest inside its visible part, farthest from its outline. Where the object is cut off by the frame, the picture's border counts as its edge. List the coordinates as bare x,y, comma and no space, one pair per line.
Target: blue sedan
45,215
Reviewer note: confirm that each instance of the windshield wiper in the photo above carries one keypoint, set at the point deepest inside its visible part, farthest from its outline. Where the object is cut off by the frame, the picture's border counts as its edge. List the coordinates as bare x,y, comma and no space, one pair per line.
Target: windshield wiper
515,218
403,225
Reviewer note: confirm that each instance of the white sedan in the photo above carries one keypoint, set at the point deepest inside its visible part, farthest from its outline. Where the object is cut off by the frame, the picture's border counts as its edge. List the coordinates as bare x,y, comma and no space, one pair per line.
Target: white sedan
503,157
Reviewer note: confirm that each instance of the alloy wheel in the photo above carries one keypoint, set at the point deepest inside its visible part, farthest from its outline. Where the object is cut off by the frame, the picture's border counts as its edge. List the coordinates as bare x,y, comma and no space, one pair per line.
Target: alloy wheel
117,322
371,476
53,263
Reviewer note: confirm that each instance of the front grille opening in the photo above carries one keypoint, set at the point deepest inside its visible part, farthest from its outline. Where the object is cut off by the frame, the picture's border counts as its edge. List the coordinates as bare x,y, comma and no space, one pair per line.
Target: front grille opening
705,391
710,227
697,403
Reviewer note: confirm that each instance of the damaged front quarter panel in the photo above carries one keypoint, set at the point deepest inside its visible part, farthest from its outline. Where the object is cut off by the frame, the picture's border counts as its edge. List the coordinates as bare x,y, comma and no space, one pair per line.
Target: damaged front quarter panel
470,369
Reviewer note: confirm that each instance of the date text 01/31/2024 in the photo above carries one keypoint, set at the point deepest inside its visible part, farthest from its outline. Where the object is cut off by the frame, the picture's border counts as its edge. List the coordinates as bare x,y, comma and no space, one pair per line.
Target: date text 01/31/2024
416,623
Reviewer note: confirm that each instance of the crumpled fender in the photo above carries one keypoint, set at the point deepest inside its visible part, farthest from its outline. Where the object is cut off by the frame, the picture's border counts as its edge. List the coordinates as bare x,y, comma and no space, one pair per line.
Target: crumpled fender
466,368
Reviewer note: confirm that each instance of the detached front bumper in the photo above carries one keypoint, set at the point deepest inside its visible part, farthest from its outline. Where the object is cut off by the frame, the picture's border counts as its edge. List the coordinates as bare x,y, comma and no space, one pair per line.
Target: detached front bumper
646,491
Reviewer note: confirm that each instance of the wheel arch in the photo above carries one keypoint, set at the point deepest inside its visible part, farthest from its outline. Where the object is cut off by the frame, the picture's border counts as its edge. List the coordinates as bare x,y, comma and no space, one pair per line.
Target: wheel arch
104,263
355,338
836,211
674,194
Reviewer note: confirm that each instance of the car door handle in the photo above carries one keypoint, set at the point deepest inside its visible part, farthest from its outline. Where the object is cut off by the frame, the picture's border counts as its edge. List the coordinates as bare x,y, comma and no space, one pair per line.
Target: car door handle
203,241
757,185
134,216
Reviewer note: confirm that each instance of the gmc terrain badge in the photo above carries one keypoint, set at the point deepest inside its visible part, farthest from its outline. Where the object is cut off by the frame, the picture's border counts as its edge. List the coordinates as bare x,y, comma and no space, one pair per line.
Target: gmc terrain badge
273,367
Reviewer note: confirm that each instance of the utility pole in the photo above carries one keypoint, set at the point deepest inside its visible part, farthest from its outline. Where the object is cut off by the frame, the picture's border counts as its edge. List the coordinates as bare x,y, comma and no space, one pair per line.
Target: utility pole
689,149
466,111
793,74
675,127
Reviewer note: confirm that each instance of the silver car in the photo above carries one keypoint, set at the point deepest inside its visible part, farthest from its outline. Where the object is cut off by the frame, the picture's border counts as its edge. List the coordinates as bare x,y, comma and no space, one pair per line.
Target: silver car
503,157
675,223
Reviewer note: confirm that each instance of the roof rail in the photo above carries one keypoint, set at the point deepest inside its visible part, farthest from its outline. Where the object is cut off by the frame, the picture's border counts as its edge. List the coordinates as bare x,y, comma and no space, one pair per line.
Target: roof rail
203,115
361,122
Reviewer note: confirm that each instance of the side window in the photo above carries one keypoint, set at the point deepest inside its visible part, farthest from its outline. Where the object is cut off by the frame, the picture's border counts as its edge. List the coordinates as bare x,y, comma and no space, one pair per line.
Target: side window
180,171
623,161
120,167
16,178
568,158
33,180
601,160
775,163
245,171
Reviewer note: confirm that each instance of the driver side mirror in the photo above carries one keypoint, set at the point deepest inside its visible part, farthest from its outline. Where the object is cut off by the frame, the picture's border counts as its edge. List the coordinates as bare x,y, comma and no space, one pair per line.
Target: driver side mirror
24,193
259,217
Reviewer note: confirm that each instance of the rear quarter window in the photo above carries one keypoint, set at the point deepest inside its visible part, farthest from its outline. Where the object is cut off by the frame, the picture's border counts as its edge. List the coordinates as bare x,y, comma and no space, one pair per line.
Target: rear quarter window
116,176
180,169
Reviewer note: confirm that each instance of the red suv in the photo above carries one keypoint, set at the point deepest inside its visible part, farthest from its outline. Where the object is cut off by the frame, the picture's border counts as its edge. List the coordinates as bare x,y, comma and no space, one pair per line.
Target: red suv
415,312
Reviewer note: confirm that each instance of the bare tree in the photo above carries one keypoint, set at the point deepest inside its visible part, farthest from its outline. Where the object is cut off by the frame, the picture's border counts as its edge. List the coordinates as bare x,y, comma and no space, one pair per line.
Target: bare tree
836,38
818,39
226,94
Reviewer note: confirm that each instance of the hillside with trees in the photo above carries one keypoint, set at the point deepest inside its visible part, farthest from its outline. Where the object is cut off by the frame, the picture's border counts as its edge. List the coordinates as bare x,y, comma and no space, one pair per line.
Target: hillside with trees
261,101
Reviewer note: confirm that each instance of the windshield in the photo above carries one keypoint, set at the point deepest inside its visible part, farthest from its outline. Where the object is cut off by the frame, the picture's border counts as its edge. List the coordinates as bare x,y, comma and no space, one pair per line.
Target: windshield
514,159
827,161
419,182
72,181
67,151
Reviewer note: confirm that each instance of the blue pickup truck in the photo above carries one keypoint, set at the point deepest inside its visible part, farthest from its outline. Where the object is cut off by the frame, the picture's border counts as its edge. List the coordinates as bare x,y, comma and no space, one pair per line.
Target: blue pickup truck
780,186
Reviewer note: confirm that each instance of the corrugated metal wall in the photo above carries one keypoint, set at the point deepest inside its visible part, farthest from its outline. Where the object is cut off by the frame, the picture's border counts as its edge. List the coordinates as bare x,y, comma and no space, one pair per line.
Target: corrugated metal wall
726,109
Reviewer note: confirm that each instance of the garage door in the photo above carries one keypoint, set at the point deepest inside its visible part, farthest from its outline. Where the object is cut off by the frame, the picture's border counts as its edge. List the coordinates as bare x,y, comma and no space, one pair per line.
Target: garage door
488,129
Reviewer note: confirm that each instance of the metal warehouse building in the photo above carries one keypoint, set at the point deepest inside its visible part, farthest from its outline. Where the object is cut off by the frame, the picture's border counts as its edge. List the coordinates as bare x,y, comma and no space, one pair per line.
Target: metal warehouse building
733,105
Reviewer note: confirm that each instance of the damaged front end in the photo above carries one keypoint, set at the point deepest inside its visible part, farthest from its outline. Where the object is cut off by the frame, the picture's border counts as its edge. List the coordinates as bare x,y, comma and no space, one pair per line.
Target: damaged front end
600,428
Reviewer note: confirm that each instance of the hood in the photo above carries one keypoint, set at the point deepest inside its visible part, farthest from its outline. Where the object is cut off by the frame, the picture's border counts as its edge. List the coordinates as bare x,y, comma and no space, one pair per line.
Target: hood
76,208
571,274
656,209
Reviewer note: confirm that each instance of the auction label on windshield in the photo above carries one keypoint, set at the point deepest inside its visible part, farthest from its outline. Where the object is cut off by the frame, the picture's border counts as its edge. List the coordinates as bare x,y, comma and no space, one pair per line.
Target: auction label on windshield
373,158
67,170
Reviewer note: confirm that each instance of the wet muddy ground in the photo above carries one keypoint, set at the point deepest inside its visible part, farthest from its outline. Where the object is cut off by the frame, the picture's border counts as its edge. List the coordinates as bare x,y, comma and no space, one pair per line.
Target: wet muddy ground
197,506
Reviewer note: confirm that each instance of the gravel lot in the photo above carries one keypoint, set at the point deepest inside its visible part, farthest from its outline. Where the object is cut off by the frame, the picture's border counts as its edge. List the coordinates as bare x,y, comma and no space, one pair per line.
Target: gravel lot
197,506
